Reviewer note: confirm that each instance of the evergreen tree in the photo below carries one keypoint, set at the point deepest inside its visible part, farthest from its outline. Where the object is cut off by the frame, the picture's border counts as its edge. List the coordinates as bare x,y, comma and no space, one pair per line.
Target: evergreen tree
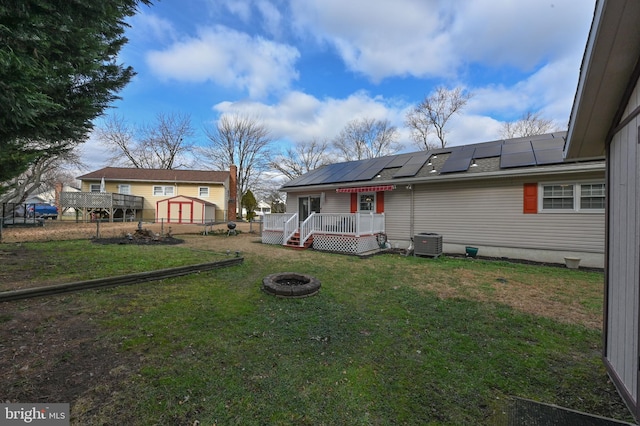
58,72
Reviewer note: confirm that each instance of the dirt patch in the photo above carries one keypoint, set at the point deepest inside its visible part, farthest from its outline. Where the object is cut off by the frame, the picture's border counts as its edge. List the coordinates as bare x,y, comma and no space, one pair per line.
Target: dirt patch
50,354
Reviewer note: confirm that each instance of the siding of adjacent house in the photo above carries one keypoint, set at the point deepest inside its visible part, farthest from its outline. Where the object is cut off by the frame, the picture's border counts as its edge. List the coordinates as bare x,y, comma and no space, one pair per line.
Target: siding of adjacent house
621,343
487,213
217,194
491,214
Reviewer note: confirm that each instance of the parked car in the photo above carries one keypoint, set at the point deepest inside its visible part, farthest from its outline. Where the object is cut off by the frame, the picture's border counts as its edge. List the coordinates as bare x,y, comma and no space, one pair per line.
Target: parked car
41,210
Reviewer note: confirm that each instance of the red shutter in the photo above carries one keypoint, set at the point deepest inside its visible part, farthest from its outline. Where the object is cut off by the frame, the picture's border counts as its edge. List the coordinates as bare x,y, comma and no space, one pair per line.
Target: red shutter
530,204
380,202
354,202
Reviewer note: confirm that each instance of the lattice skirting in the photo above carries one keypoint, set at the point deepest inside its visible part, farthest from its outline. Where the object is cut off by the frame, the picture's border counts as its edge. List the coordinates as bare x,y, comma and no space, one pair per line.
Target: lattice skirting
272,237
345,243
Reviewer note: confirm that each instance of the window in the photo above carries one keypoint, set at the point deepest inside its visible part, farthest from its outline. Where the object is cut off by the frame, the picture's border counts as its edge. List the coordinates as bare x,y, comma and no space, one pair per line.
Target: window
367,202
592,196
573,197
203,191
162,190
557,197
94,187
124,189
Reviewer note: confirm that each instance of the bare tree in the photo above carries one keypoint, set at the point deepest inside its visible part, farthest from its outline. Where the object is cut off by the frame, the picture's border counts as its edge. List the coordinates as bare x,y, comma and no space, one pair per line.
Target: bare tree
240,140
433,114
366,138
42,175
529,124
302,158
162,145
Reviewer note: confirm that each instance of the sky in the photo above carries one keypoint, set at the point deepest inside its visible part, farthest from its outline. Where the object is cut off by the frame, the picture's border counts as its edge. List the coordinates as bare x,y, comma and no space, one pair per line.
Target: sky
305,68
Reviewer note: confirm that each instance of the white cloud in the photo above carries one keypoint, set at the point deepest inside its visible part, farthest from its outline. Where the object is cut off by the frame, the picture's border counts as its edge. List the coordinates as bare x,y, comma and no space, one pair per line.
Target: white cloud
430,38
229,58
300,117
521,34
151,28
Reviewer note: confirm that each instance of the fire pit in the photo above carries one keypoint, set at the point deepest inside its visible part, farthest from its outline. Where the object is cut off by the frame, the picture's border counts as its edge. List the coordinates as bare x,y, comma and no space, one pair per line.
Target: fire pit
291,284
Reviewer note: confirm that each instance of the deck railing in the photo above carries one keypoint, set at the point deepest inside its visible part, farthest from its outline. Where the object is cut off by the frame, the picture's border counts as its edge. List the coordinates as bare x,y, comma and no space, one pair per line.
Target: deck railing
100,200
354,224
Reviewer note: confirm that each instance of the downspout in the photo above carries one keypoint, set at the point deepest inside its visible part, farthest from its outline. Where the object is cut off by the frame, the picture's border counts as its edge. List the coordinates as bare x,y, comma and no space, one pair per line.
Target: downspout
411,218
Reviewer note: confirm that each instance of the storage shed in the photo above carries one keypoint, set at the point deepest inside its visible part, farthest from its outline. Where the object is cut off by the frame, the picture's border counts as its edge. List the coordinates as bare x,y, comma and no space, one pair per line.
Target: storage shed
183,209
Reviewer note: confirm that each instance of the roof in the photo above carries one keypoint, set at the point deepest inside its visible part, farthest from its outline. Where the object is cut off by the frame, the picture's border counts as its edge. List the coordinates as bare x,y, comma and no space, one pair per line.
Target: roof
535,154
156,175
194,199
608,67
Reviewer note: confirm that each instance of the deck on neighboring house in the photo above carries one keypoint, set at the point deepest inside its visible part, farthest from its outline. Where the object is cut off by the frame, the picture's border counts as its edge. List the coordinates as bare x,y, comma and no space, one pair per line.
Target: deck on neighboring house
124,206
352,233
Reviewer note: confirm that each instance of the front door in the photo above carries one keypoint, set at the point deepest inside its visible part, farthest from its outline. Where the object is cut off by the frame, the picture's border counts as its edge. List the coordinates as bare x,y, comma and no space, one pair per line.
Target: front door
307,205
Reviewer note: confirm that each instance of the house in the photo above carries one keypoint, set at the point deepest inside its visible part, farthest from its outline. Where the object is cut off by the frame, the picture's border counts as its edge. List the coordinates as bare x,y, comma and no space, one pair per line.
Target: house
604,120
514,198
174,196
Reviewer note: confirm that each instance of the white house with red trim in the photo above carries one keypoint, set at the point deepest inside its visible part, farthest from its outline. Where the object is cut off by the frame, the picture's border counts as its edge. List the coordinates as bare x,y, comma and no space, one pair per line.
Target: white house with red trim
515,198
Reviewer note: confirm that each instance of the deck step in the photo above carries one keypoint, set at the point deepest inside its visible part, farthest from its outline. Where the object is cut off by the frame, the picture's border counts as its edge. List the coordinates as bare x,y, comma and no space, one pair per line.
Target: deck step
294,242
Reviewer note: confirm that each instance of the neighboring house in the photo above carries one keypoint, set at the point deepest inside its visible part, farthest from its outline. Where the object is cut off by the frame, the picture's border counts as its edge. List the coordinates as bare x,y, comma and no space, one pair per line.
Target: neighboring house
605,120
174,196
509,198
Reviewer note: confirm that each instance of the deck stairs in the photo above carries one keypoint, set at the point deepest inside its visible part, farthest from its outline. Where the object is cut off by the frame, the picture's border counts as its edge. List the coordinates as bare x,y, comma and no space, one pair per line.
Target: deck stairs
294,242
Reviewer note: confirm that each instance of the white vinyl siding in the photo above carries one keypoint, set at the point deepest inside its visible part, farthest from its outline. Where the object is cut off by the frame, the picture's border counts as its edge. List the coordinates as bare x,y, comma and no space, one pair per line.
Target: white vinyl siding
622,297
489,214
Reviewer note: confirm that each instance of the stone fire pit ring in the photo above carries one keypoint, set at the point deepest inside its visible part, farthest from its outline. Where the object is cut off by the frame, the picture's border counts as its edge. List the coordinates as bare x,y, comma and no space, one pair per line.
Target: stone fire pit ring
291,284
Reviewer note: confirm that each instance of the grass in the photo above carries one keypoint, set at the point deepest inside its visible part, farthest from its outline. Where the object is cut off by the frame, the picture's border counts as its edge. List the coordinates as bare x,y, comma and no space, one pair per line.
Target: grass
388,340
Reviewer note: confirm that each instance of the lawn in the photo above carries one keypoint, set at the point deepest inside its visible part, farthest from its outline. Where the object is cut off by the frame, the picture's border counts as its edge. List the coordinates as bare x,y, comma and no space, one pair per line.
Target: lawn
388,340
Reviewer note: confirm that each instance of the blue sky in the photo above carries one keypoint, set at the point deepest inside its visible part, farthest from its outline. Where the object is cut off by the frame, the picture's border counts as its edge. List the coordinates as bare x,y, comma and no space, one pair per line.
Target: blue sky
307,67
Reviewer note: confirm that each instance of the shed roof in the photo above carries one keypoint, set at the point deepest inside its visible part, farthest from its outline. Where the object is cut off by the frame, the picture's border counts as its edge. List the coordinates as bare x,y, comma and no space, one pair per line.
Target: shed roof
156,175
609,67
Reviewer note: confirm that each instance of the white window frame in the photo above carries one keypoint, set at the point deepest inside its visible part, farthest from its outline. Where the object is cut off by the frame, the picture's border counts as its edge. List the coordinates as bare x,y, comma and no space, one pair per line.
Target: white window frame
577,197
162,191
372,203
204,189
94,187
124,188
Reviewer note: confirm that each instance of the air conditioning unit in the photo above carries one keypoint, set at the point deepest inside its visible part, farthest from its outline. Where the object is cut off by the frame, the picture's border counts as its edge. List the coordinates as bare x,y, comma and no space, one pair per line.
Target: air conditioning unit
427,244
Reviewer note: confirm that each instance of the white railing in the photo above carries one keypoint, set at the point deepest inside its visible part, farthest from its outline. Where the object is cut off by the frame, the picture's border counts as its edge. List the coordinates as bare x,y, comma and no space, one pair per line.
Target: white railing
354,224
290,228
275,221
307,228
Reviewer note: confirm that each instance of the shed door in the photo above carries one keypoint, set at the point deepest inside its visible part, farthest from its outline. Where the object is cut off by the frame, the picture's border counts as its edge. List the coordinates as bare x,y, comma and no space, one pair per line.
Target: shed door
180,212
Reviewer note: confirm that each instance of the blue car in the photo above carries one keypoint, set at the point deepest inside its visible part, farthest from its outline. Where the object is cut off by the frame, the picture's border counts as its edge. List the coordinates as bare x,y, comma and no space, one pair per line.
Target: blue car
43,211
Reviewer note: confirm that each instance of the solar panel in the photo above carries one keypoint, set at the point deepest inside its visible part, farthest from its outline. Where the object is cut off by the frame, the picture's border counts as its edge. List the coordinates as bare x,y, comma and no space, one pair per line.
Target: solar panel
515,147
518,159
554,143
458,161
349,171
374,166
548,156
412,166
488,150
401,159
